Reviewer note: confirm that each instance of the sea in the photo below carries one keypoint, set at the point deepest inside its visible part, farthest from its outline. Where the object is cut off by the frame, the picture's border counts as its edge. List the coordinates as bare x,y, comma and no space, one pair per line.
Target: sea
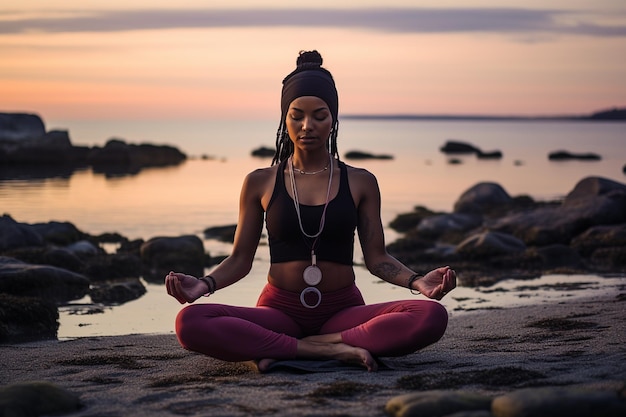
204,192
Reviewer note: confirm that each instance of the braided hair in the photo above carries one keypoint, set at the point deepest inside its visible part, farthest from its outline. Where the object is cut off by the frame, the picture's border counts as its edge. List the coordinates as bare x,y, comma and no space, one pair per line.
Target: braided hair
309,78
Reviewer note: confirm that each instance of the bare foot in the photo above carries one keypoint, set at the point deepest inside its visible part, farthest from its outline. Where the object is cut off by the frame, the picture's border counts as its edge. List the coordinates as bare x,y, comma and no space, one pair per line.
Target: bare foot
359,356
312,348
264,364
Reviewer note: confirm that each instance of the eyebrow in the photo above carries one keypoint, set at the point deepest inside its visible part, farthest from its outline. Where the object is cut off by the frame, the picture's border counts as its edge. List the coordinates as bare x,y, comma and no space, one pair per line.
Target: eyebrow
314,111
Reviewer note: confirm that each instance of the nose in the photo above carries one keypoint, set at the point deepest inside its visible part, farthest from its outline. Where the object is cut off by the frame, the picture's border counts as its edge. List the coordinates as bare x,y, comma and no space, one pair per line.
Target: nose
307,123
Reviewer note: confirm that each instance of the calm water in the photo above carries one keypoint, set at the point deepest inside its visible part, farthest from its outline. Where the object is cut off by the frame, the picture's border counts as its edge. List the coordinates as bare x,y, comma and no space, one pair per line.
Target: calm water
202,193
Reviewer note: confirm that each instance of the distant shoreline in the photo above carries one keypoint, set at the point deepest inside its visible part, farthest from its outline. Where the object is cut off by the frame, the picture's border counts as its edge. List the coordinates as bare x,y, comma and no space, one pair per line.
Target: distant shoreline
612,115
477,118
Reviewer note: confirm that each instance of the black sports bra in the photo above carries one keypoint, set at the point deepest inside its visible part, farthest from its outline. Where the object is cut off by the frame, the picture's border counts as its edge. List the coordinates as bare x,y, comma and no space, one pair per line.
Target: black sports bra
286,241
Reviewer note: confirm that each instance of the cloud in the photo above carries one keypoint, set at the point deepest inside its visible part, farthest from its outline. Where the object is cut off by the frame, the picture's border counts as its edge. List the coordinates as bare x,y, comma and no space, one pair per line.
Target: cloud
405,20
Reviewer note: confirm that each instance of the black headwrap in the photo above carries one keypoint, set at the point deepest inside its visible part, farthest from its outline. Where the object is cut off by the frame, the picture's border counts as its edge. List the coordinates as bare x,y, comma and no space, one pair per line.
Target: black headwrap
309,79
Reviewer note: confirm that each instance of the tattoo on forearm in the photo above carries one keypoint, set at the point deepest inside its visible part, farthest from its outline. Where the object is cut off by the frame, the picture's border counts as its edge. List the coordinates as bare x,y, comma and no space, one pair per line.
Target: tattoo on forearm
386,270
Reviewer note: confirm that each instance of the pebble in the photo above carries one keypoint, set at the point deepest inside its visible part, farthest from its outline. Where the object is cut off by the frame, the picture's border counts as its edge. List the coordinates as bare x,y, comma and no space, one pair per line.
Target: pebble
37,398
436,403
572,401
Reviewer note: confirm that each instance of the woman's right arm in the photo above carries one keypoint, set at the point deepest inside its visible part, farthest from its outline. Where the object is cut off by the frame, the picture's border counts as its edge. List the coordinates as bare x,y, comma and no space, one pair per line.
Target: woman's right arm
247,234
186,288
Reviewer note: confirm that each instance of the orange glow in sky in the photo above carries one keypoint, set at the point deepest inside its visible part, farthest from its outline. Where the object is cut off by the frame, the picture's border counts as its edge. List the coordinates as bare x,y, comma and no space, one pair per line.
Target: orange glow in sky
155,59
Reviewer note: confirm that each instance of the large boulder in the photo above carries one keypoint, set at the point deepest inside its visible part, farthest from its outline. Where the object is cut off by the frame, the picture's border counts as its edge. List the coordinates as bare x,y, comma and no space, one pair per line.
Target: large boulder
594,201
37,398
15,127
52,148
117,152
489,244
441,224
117,292
160,255
43,281
16,235
25,319
58,233
482,197
597,237
113,266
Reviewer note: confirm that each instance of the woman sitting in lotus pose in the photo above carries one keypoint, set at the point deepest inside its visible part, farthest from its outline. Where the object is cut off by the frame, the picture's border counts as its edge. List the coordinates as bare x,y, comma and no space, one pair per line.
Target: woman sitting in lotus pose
311,203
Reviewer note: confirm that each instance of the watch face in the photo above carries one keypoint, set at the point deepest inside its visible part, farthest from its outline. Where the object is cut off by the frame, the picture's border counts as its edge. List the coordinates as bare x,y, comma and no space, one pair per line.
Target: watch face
312,275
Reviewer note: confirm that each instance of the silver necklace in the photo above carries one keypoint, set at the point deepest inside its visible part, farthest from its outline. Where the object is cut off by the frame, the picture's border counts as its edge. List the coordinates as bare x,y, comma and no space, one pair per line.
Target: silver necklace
312,275
312,172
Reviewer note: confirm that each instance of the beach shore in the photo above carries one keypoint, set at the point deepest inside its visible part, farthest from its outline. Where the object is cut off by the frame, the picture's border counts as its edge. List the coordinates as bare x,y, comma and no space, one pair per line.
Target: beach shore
573,342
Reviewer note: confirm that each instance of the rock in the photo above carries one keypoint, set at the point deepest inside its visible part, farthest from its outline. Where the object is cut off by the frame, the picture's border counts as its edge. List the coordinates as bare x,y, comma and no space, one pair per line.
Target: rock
594,187
32,399
594,201
583,233
543,226
482,197
160,255
458,147
409,221
16,235
440,224
62,258
117,293
15,127
58,233
221,233
557,256
436,403
24,141
263,152
565,156
609,259
26,319
51,148
559,401
488,244
597,237
489,155
84,249
45,255
120,157
44,281
365,155
112,267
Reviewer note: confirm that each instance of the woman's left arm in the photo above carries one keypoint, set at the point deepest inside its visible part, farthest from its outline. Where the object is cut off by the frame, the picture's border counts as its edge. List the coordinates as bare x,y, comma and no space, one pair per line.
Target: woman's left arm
434,284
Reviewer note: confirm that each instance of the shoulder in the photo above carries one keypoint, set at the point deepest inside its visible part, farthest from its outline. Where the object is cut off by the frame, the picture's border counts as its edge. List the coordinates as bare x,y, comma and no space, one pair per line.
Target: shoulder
259,184
261,175
360,176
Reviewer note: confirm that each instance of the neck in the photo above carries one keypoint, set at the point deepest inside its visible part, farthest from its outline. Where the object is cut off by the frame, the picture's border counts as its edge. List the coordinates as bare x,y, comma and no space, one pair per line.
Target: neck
311,164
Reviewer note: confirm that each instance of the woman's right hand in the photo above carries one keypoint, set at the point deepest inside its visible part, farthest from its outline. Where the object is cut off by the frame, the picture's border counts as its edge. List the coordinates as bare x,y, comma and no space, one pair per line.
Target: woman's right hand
185,288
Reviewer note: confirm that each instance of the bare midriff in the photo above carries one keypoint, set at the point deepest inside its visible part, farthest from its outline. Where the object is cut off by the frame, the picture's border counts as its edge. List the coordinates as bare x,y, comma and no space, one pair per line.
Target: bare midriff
288,276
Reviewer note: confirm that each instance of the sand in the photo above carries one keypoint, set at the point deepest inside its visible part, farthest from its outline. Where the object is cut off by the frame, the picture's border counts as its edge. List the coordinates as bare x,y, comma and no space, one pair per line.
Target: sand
580,341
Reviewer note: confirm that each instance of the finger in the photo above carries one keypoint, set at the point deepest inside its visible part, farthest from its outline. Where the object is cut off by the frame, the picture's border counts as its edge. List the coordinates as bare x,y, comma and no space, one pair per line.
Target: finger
178,288
449,281
168,284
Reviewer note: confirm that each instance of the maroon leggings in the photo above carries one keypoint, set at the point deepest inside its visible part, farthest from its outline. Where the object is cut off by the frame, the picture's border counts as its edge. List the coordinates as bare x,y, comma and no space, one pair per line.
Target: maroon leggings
271,329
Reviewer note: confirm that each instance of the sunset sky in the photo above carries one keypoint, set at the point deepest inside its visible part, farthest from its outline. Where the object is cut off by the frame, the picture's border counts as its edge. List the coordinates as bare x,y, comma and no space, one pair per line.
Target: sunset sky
191,59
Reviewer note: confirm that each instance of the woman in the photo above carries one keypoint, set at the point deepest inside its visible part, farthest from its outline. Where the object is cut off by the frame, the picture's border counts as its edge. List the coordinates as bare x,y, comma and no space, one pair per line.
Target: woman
312,204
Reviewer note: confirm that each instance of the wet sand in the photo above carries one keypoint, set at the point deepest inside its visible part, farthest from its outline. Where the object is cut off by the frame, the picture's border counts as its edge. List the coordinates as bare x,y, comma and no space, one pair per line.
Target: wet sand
580,341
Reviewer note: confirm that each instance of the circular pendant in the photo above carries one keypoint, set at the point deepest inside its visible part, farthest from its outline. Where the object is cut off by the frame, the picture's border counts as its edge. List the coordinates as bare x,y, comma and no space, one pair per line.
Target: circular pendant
312,275
309,290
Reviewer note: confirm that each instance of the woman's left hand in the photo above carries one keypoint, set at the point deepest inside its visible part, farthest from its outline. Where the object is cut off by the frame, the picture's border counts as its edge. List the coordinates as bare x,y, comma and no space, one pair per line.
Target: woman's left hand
437,283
